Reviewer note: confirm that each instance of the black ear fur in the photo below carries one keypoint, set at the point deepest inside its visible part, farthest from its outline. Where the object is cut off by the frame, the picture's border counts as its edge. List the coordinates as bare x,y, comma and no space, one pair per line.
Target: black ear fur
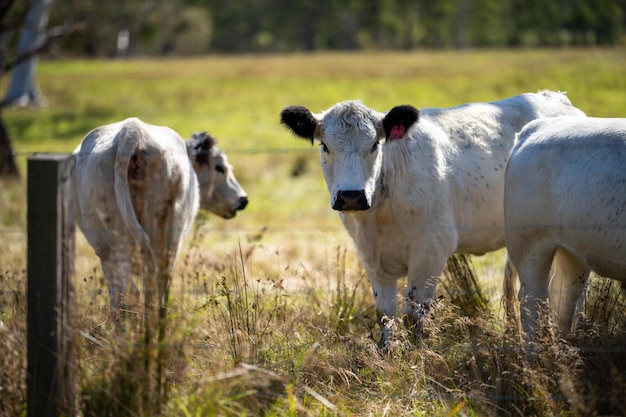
300,121
202,144
405,115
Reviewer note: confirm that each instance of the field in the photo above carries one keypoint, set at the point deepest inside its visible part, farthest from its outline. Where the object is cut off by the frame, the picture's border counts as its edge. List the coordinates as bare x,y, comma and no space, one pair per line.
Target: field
271,312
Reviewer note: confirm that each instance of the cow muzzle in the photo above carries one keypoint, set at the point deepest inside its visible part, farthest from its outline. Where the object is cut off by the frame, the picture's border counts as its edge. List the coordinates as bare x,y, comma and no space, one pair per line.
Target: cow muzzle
230,212
243,202
351,201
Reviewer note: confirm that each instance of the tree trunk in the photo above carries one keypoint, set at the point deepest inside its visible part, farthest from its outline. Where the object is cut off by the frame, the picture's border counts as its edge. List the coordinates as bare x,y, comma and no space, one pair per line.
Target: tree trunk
8,167
23,90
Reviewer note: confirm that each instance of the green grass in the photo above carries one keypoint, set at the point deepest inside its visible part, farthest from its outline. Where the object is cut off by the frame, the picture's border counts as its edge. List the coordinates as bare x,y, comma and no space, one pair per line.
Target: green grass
271,312
238,100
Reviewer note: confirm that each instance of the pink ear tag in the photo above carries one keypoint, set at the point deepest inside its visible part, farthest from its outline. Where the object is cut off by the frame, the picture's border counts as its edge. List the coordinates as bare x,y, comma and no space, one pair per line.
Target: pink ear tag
397,132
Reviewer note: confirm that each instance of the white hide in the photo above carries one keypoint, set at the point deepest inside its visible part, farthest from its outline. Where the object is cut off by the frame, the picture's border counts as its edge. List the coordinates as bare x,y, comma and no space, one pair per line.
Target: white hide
434,191
220,192
350,164
565,208
136,188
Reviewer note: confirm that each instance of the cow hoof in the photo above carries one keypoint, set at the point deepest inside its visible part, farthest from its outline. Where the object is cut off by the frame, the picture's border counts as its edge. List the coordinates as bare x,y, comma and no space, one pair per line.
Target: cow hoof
387,333
417,316
383,344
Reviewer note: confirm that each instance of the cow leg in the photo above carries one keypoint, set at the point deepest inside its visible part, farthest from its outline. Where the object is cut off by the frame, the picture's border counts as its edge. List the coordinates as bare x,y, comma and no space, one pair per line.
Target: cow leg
533,267
386,299
424,273
510,290
117,270
567,284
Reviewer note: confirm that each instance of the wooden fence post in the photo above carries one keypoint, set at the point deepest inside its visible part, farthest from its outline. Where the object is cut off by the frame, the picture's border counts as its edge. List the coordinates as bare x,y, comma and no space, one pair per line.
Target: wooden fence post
50,286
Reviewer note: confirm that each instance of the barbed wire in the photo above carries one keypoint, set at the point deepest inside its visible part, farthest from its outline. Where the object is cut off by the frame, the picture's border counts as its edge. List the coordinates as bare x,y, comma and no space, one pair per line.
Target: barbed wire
260,229
287,229
234,151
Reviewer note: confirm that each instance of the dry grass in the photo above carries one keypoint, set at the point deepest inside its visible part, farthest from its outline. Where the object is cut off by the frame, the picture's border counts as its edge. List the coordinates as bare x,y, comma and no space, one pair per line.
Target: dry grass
250,334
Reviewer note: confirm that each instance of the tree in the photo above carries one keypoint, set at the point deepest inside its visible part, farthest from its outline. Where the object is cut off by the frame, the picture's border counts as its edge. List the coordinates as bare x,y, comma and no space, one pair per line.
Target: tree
8,167
34,39
23,90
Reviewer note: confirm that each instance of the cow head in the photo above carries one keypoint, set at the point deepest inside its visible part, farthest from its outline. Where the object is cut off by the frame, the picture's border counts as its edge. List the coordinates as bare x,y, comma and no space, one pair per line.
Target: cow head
220,192
351,137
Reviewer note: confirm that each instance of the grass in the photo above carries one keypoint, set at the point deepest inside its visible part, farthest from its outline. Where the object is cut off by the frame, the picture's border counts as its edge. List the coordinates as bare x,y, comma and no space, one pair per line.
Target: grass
271,312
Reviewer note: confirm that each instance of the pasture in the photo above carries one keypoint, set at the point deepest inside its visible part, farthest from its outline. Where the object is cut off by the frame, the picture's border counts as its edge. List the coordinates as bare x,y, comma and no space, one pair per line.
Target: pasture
271,312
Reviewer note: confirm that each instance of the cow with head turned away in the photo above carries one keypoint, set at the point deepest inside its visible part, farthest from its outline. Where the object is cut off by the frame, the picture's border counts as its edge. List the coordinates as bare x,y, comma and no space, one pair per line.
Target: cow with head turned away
412,188
565,212
138,189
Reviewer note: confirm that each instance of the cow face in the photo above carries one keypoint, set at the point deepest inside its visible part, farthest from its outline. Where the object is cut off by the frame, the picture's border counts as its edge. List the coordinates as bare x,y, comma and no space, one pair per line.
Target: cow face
351,137
220,192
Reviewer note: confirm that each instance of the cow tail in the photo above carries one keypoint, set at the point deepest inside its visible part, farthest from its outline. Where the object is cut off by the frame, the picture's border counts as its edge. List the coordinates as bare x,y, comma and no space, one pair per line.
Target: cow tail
511,289
128,139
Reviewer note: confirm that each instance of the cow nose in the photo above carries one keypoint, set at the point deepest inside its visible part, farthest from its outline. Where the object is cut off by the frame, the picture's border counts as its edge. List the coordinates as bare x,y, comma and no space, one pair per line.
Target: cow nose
350,201
243,202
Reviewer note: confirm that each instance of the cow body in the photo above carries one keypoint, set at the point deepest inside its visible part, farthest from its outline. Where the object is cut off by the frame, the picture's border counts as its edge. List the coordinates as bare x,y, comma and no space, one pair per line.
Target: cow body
138,189
413,192
565,208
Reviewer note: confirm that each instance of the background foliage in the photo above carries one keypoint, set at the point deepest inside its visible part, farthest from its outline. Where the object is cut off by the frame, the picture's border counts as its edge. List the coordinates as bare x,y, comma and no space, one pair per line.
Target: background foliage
185,27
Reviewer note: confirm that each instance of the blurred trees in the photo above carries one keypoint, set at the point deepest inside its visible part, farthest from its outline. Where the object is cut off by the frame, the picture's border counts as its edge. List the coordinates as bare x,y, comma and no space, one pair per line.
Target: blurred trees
29,20
24,34
23,90
185,27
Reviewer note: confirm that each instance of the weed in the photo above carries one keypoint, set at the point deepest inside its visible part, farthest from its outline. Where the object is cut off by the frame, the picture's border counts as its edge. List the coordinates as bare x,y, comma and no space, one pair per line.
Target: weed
461,285
12,365
342,305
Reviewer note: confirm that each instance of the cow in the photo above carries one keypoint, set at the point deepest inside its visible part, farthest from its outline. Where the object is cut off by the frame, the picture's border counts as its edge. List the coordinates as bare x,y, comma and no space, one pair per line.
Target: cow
565,212
138,189
412,188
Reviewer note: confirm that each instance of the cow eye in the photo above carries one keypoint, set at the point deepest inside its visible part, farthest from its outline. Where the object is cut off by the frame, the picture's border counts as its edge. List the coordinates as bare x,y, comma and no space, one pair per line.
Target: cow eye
375,147
324,147
220,169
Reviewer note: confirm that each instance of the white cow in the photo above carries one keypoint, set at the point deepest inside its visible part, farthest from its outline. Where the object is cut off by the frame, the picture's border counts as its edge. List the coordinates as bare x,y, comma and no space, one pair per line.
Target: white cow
411,193
565,207
138,186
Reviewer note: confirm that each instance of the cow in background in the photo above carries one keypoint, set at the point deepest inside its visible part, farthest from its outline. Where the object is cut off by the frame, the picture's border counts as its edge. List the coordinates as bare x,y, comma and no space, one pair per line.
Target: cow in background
565,209
139,186
412,188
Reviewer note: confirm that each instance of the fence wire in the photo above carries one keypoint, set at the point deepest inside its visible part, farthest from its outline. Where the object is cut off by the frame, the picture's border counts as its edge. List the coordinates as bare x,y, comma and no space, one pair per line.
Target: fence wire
228,151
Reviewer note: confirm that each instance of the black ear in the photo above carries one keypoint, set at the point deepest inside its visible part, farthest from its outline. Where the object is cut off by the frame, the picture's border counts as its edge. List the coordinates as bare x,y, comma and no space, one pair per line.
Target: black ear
201,145
398,120
300,121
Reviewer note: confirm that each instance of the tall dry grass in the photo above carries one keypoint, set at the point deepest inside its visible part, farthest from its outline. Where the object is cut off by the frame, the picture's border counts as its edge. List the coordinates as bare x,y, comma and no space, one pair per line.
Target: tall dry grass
248,336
